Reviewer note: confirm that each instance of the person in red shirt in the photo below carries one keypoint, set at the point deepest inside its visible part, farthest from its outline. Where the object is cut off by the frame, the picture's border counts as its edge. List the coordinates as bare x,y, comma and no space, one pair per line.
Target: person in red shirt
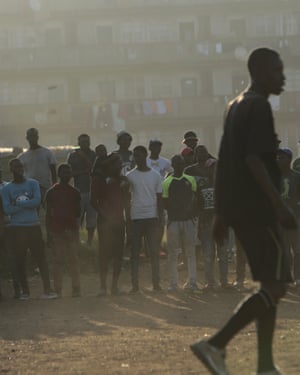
62,213
110,197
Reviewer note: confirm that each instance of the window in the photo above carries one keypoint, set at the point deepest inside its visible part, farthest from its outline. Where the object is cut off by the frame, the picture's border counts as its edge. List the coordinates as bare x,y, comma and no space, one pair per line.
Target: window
56,93
107,90
238,27
132,32
53,37
134,88
189,87
104,34
161,87
187,31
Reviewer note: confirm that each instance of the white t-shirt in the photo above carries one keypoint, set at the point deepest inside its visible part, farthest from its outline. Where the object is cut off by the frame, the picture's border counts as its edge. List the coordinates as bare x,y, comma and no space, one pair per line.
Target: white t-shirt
144,186
37,165
160,165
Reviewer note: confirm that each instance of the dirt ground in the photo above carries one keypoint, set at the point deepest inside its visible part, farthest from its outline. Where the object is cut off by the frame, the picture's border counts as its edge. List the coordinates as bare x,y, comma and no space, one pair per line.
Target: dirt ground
143,334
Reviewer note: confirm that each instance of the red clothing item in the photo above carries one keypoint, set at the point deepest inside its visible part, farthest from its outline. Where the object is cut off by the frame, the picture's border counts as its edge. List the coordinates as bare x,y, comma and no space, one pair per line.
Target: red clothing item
63,208
111,196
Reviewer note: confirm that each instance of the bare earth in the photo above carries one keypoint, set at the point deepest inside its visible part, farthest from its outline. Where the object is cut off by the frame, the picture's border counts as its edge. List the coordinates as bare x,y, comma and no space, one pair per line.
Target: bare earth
144,334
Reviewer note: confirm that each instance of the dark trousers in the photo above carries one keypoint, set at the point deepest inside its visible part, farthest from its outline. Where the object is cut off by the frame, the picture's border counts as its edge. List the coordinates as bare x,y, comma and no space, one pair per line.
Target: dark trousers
111,235
20,240
147,228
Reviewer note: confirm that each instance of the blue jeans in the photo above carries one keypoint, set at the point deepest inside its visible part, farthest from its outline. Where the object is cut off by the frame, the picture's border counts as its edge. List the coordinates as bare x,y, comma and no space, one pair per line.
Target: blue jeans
210,250
147,228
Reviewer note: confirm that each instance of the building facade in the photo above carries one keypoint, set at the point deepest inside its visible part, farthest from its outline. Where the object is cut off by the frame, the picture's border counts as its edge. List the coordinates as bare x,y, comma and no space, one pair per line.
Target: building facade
153,67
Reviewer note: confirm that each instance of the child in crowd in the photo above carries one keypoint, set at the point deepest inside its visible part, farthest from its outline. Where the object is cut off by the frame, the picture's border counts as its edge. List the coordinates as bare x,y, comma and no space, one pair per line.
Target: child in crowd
62,213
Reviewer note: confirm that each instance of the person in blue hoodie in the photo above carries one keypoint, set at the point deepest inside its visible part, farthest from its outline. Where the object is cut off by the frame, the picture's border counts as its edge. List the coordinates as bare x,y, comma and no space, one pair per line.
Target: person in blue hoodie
21,198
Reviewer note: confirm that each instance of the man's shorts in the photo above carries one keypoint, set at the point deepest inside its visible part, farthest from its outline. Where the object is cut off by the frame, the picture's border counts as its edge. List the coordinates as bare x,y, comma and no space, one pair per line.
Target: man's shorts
266,253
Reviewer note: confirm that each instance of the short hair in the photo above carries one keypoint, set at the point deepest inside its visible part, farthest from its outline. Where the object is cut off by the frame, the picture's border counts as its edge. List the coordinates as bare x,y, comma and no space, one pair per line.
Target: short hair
83,135
63,166
32,130
177,157
12,161
260,59
141,149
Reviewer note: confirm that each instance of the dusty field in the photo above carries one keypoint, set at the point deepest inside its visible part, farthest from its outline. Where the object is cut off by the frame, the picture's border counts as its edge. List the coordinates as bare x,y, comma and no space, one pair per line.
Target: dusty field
144,334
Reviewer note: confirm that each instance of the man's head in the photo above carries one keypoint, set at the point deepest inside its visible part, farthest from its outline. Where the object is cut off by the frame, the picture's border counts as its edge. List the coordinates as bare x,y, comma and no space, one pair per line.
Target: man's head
101,151
284,158
201,154
178,164
64,172
266,69
190,139
32,136
124,140
84,142
16,168
155,146
140,156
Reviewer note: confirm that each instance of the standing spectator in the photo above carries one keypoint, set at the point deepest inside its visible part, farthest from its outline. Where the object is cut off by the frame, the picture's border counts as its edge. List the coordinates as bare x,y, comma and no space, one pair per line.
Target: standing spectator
124,140
248,200
81,162
21,199
190,139
204,175
110,197
163,167
146,214
179,196
62,213
39,162
290,192
157,162
101,155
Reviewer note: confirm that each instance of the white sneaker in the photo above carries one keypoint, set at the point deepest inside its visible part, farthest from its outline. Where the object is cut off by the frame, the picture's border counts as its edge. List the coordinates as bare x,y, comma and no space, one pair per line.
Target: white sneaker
212,357
50,295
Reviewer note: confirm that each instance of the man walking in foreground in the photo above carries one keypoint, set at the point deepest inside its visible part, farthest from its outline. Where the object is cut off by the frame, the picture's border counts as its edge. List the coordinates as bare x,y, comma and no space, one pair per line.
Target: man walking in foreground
248,199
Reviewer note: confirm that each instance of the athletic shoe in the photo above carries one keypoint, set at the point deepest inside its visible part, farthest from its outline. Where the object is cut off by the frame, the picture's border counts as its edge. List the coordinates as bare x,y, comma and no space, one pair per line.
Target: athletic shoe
212,357
24,297
50,295
191,287
271,372
297,282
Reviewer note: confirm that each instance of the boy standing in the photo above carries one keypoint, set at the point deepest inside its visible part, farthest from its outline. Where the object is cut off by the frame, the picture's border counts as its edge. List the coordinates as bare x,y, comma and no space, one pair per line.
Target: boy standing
146,215
110,197
179,196
62,213
21,198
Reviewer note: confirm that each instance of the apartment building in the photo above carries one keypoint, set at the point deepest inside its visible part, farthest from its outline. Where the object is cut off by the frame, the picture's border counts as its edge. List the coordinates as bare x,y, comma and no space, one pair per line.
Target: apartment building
153,67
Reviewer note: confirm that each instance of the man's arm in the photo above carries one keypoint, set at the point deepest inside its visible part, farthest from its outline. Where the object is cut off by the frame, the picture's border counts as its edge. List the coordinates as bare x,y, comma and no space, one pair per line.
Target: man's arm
53,173
260,174
8,207
35,201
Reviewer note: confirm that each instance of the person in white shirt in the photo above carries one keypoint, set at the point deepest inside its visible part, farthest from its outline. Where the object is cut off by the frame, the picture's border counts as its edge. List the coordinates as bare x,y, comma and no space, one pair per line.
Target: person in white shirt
146,214
155,161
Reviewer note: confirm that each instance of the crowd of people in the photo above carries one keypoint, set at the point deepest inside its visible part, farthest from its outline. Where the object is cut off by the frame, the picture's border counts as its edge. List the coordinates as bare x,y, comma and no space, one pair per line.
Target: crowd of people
129,197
